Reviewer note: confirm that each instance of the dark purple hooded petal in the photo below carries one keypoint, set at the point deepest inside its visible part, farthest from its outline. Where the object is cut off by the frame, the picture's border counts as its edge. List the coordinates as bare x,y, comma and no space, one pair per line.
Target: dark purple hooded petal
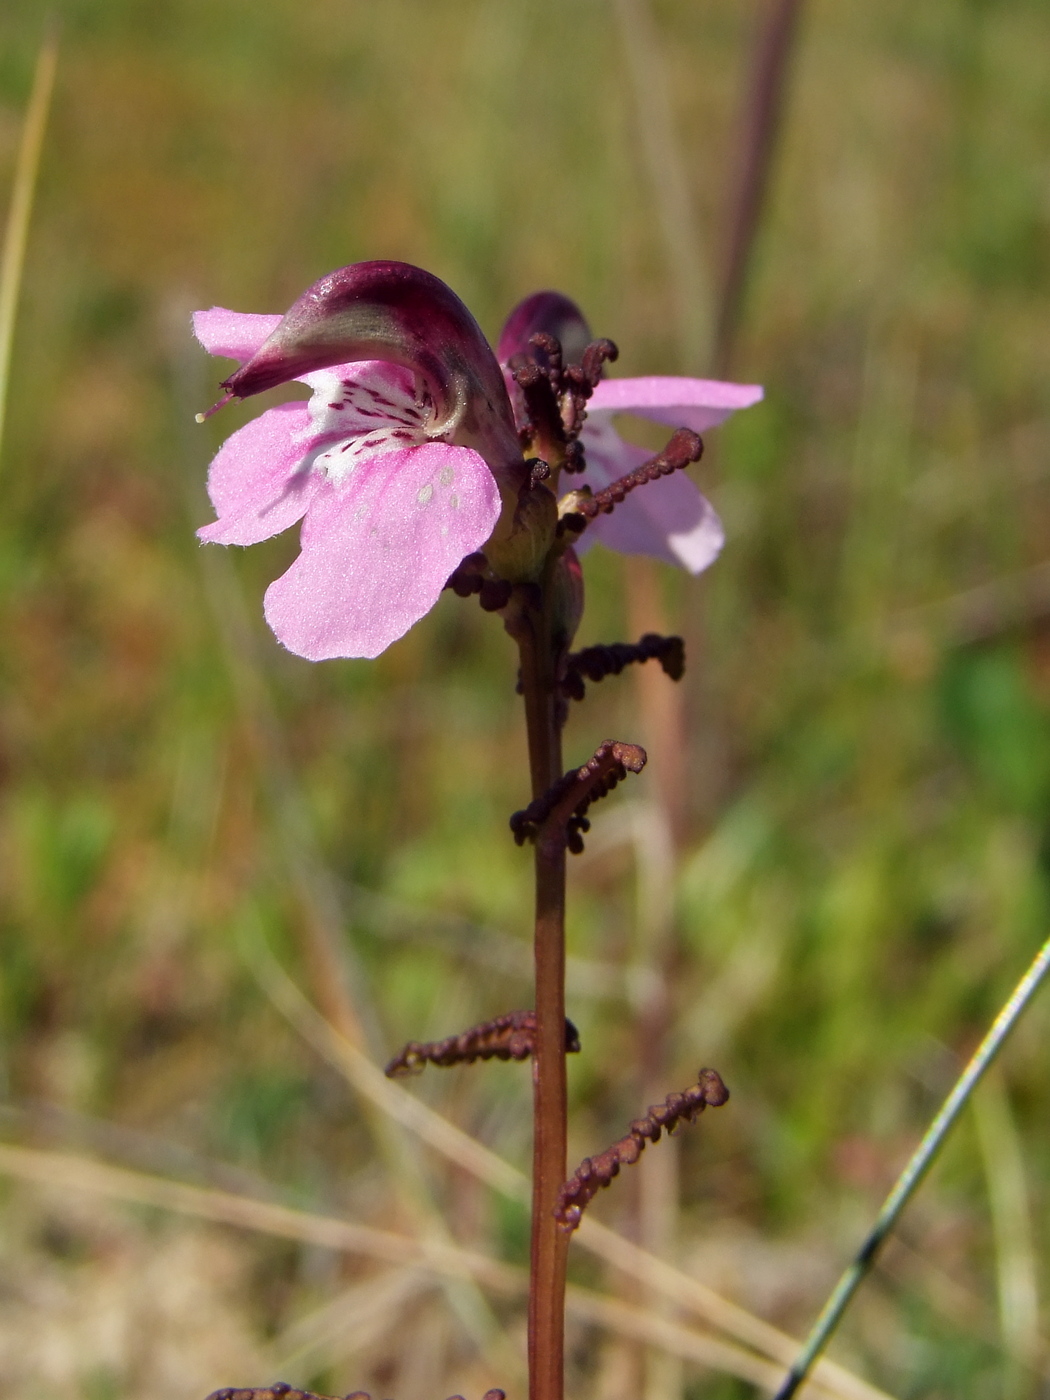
396,312
549,312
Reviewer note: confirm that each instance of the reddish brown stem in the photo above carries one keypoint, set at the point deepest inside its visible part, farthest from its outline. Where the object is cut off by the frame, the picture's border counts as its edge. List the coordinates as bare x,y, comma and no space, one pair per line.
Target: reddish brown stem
549,1243
764,107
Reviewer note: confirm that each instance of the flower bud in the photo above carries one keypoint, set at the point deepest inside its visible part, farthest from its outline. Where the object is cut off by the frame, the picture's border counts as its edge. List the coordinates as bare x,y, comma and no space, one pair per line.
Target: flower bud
550,313
566,598
524,535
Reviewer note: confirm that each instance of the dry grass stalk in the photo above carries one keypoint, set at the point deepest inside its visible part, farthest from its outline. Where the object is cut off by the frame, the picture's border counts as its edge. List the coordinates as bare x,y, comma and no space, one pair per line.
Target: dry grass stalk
68,1172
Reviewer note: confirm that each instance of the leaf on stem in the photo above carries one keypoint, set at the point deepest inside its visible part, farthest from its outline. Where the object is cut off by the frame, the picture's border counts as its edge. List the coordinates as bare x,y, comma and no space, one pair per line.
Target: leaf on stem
281,1390
595,1172
474,575
552,394
597,662
564,805
578,507
507,1037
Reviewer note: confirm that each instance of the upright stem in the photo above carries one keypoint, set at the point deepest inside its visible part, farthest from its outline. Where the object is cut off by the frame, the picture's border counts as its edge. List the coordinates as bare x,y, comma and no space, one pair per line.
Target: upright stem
765,101
549,1243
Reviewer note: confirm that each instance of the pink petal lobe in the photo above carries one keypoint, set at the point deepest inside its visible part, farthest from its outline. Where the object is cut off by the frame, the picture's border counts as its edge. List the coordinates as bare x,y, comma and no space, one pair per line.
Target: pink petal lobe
255,481
233,334
378,549
679,403
669,519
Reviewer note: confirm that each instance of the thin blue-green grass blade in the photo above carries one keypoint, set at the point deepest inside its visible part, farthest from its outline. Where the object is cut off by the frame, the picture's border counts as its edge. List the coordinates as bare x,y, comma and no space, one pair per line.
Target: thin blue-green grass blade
16,235
913,1173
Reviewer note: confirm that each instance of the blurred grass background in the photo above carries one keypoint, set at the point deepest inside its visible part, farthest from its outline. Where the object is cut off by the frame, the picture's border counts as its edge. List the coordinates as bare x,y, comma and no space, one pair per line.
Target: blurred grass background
866,870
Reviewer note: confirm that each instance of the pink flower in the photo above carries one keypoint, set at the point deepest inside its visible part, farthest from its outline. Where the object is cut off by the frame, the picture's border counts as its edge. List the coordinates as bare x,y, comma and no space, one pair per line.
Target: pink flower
392,465
406,459
669,519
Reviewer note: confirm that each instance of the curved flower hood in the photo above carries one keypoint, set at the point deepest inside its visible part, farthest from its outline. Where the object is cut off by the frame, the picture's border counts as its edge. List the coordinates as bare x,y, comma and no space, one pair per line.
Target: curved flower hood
394,465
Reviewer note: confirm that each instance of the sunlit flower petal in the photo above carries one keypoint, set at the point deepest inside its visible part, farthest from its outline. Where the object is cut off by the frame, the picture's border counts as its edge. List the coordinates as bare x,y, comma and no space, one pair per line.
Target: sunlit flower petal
389,510
256,483
669,519
402,315
387,539
236,335
678,402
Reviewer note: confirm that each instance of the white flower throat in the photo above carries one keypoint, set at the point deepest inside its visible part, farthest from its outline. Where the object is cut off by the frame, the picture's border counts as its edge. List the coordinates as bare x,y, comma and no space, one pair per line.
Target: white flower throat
371,410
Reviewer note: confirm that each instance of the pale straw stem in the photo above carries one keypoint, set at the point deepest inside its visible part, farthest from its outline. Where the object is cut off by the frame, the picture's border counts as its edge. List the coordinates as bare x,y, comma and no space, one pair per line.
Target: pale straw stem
16,235
64,1172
